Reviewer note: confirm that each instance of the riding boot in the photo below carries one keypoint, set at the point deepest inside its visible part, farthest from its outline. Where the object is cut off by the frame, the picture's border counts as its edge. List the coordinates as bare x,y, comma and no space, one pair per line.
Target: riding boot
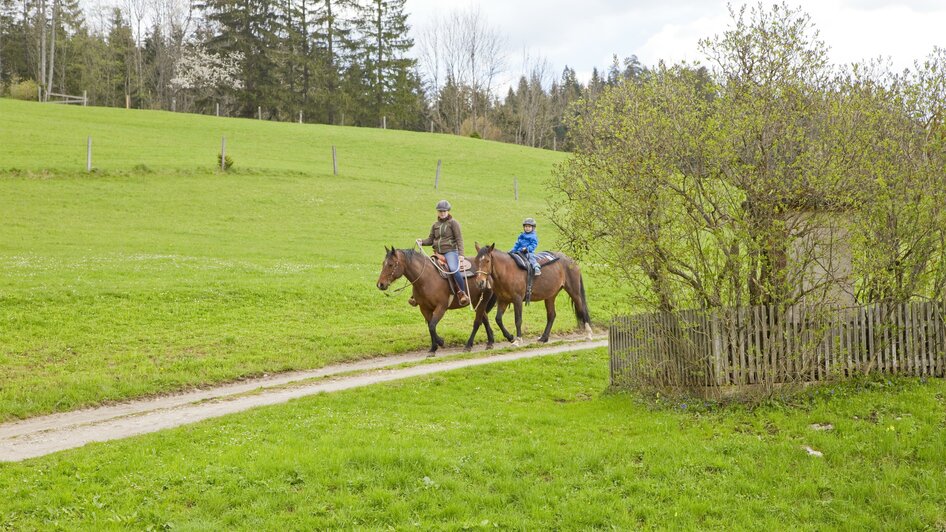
412,302
462,298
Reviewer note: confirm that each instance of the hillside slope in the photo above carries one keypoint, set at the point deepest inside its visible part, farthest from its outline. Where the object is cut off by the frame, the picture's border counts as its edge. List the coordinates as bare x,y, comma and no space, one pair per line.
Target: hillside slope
157,272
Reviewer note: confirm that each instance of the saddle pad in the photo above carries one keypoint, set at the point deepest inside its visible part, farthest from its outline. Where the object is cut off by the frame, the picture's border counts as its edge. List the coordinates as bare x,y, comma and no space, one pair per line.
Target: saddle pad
542,257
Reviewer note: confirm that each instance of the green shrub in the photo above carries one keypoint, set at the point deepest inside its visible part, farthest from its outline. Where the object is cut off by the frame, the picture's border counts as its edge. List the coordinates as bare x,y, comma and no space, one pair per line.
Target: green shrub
227,161
475,135
23,90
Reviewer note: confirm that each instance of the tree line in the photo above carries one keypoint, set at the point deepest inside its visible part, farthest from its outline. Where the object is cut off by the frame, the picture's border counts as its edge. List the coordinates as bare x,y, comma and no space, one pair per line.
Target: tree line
344,62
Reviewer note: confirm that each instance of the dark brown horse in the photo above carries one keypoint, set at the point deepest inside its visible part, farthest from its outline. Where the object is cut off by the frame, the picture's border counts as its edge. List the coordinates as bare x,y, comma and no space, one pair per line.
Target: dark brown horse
432,293
498,271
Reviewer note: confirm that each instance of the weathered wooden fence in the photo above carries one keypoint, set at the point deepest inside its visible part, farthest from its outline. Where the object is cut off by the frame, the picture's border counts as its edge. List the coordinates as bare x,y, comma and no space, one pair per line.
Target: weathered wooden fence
763,345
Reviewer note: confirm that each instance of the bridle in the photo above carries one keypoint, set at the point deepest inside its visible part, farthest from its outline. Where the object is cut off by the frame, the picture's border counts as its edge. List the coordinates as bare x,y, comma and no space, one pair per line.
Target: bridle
393,278
488,274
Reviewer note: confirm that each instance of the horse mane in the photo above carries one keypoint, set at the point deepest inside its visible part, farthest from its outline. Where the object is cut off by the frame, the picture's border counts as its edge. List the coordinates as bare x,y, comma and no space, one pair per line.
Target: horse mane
409,254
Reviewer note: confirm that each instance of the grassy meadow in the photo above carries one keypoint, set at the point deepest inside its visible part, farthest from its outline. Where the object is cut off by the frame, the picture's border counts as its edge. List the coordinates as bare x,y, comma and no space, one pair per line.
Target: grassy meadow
156,272
528,445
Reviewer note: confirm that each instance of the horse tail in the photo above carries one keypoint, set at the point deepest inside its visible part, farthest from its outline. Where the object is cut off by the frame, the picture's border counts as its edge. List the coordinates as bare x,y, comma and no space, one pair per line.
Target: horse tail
582,314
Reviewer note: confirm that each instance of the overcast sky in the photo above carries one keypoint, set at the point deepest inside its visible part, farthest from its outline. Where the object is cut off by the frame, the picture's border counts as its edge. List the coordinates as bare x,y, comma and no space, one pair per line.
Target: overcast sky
585,33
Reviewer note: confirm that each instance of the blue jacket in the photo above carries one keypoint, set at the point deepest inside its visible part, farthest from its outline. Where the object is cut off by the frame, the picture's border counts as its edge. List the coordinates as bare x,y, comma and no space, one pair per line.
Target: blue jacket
530,241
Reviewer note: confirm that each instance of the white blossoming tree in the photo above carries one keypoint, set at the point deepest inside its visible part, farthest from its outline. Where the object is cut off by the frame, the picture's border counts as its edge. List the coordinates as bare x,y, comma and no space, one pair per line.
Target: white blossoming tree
201,76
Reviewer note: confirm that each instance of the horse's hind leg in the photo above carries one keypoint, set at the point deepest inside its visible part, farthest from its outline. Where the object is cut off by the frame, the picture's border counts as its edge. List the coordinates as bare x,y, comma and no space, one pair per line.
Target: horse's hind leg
549,318
490,338
500,309
573,286
476,326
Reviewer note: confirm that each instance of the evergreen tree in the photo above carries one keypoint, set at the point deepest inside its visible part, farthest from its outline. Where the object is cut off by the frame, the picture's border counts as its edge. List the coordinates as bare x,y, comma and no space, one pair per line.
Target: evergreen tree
383,44
121,63
332,43
248,27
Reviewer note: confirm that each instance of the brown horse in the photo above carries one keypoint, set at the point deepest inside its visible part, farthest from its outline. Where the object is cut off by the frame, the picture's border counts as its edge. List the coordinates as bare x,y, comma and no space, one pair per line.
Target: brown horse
433,294
498,271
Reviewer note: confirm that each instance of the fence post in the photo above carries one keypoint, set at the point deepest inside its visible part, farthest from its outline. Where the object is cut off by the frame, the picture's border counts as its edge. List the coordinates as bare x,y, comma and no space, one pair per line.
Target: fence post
437,179
334,161
259,112
300,117
85,98
223,154
173,105
431,126
384,122
217,108
128,101
88,154
515,187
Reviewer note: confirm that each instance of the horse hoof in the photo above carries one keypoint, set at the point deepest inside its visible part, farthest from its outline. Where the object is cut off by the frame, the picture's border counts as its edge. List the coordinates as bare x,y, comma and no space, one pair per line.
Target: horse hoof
489,347
517,343
431,354
468,348
543,339
440,342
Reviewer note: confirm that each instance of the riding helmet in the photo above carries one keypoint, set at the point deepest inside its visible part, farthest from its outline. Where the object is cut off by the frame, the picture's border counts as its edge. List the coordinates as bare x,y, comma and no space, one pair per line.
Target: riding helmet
529,221
443,205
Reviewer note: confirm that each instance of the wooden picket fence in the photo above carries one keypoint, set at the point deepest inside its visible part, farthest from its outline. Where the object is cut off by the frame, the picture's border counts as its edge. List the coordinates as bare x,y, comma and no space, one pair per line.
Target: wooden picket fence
699,349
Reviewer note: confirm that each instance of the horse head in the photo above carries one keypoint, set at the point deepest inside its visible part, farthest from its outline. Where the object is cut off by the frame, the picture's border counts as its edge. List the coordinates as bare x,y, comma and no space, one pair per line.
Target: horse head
391,269
484,265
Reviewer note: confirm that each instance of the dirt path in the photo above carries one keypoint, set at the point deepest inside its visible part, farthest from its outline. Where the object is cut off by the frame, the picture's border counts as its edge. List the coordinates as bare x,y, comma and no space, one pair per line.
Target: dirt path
48,434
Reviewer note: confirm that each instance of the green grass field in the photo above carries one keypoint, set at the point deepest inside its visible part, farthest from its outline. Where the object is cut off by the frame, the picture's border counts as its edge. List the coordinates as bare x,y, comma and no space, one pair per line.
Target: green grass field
528,445
157,272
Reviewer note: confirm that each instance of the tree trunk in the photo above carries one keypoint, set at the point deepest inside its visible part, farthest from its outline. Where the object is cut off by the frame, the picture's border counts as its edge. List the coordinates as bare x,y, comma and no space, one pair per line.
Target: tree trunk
52,49
304,28
41,25
380,88
330,37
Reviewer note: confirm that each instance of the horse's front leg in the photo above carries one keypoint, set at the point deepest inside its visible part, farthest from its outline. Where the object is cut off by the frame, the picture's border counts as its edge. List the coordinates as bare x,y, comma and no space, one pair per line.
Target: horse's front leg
435,339
500,309
517,307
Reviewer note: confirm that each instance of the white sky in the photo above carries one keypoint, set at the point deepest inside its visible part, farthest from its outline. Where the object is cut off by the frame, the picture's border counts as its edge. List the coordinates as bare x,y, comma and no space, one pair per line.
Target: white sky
584,34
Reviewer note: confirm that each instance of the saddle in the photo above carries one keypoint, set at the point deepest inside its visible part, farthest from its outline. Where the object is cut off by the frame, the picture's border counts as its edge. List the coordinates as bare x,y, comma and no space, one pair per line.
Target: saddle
542,257
466,267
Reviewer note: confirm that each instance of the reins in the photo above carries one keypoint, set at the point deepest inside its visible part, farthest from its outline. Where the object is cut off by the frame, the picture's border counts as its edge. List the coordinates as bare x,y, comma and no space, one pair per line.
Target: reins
431,260
408,279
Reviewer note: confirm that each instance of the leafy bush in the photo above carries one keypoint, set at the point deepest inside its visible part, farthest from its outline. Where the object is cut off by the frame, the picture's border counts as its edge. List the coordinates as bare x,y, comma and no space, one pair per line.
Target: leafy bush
23,90
227,162
475,135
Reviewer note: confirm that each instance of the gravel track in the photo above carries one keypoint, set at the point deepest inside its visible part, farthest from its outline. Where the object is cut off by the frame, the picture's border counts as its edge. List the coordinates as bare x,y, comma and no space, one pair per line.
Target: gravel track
40,436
